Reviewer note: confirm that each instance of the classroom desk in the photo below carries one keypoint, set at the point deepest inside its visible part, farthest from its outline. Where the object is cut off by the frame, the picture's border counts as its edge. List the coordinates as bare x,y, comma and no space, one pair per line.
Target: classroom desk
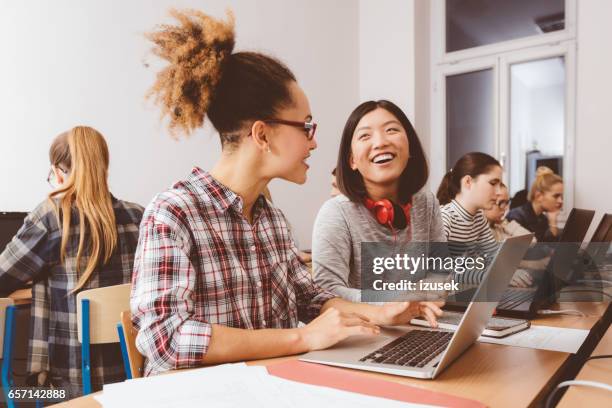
496,375
593,370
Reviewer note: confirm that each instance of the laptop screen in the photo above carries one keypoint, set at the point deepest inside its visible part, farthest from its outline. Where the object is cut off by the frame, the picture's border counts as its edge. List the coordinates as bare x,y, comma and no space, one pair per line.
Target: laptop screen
10,222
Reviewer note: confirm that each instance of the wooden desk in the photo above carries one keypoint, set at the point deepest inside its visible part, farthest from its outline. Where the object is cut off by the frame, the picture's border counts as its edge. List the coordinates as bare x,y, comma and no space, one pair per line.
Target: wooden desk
499,376
22,296
593,370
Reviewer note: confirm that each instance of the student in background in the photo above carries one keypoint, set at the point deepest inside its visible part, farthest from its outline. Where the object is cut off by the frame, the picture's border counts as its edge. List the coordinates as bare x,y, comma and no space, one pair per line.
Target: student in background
539,214
502,229
469,188
380,160
81,237
217,277
496,215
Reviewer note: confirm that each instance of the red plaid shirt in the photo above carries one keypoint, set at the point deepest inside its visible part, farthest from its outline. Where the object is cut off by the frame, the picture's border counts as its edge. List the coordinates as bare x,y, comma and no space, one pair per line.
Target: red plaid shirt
200,262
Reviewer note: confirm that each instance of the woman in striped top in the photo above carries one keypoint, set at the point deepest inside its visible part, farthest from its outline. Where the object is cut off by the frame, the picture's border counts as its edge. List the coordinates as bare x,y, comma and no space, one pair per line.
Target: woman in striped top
470,187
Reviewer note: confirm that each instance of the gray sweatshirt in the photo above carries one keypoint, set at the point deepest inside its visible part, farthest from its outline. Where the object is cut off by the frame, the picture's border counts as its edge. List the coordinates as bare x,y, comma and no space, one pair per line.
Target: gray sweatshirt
342,225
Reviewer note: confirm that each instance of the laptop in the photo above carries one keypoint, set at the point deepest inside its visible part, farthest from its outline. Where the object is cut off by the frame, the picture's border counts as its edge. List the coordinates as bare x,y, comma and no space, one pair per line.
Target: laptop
598,248
10,222
524,303
425,353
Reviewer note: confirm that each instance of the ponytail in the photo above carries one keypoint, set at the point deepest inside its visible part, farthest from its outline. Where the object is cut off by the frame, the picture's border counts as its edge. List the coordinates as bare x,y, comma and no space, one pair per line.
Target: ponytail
471,164
205,78
84,154
447,190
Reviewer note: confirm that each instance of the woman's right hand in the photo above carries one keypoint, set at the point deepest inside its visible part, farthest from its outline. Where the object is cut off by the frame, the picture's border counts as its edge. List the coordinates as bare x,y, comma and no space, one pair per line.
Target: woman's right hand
333,326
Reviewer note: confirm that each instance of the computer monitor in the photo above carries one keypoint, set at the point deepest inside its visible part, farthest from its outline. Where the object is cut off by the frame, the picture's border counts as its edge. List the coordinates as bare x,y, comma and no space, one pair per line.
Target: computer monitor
10,222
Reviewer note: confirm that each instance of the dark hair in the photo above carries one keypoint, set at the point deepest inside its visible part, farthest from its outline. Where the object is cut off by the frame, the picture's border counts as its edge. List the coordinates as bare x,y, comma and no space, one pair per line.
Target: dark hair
333,172
414,176
204,77
471,164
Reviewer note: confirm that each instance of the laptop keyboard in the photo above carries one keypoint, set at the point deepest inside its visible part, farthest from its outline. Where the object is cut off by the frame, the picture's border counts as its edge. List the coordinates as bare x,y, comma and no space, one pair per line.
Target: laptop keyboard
414,349
513,298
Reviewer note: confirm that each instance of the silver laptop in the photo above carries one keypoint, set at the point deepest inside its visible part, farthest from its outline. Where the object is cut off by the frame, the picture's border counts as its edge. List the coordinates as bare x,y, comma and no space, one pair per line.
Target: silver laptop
424,353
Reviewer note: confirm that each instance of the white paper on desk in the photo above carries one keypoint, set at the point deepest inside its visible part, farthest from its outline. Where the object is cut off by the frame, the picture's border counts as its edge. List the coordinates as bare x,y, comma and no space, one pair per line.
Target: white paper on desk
231,385
543,338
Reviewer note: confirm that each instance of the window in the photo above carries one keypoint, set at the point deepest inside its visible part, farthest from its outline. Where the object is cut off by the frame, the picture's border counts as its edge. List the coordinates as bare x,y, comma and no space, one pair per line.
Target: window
502,88
473,23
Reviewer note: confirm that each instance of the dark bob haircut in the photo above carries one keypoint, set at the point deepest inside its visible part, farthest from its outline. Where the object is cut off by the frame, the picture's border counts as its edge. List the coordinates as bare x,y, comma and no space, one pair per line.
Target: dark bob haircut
413,178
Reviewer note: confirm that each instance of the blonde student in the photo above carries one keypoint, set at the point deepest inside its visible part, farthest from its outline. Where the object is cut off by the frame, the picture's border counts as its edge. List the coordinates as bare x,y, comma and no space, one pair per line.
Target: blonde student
381,167
217,276
81,237
545,200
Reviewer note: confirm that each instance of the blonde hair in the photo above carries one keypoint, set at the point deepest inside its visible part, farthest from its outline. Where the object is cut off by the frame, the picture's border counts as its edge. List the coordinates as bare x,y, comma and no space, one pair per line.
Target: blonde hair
83,153
545,179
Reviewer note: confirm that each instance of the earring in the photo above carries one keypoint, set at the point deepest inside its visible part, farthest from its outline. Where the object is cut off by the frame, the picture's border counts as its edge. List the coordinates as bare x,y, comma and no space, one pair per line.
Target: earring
269,150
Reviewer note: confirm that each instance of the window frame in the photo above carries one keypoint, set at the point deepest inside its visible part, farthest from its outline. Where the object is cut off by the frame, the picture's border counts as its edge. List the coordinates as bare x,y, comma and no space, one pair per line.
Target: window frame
440,55
499,57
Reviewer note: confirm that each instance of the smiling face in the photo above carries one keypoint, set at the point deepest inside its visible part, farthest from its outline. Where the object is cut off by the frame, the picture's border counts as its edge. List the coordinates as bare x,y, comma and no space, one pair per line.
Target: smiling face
379,149
289,145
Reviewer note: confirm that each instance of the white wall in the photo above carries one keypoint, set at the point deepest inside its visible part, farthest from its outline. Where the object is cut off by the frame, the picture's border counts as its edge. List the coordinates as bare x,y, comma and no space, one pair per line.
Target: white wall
594,87
386,52
69,62
537,120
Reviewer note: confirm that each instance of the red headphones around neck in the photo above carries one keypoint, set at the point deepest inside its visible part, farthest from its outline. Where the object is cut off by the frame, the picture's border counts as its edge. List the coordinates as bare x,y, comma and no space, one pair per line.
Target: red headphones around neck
388,213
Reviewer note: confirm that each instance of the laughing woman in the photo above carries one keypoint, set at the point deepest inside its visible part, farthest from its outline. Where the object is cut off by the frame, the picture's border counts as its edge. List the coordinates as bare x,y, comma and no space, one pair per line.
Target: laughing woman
217,277
380,163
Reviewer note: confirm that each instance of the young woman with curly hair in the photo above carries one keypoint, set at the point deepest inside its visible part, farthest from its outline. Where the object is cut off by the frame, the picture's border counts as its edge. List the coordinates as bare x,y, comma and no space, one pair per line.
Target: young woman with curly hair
217,276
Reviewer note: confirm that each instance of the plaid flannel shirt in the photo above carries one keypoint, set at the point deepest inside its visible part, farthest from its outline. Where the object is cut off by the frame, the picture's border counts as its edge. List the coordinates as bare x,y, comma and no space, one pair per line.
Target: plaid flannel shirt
34,255
200,262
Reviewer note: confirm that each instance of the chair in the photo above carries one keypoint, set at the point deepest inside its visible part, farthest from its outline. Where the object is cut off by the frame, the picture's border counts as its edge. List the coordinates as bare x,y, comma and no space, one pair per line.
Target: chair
98,312
132,359
7,314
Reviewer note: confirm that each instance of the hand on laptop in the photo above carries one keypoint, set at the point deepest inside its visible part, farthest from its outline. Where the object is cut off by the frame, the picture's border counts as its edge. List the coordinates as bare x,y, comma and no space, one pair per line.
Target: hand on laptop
333,326
521,279
397,313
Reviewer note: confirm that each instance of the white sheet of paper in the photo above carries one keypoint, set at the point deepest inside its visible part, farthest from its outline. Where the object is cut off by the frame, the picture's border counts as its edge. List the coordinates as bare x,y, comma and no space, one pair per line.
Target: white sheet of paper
543,338
232,385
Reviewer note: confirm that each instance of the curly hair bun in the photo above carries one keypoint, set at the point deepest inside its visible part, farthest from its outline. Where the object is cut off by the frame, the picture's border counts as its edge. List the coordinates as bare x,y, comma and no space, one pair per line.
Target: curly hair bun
195,50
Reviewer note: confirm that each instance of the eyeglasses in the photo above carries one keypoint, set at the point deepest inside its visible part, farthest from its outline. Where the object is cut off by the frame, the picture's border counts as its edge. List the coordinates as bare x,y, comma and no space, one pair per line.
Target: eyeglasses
51,176
502,204
309,127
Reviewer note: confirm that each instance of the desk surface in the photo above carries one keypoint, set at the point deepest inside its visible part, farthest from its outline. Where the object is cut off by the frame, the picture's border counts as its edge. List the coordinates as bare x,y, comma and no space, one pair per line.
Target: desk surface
490,373
593,370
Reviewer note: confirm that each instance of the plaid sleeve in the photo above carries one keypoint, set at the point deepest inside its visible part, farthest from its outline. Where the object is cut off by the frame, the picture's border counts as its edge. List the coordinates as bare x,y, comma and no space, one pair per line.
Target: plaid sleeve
310,296
38,356
162,306
25,257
